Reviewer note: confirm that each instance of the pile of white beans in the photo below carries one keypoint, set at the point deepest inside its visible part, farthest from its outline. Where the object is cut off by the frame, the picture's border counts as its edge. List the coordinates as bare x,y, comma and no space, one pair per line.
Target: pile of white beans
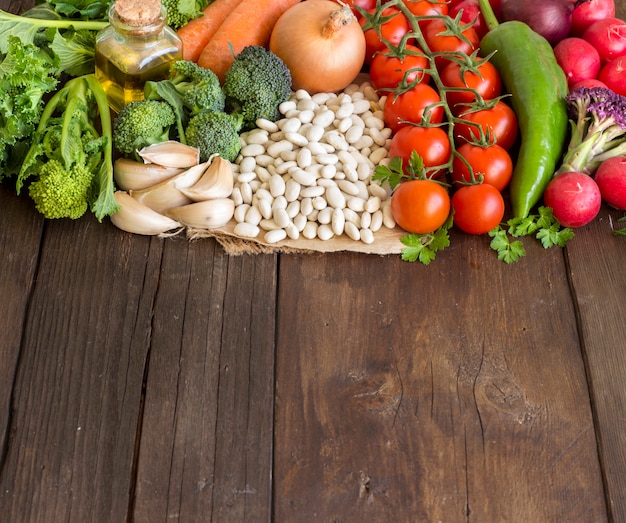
309,175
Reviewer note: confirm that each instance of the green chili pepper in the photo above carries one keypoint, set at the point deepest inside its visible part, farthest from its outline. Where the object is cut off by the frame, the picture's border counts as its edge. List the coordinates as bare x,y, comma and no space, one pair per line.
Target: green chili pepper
538,86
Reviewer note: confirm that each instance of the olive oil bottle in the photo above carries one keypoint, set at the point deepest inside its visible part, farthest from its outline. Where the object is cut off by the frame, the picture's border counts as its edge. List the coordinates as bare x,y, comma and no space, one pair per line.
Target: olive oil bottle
137,46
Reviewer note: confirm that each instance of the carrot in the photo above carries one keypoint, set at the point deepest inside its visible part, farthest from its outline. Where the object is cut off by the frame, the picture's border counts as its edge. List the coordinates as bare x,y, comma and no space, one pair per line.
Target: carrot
250,23
197,33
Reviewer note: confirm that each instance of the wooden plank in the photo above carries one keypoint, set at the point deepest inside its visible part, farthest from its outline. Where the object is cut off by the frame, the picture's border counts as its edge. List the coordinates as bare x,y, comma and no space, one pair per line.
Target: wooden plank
439,393
78,390
596,262
206,440
20,236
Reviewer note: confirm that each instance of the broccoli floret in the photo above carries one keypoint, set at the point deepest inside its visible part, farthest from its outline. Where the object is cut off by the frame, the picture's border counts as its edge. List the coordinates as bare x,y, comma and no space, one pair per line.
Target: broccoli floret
58,193
71,154
180,12
256,83
142,123
190,90
199,87
215,132
598,121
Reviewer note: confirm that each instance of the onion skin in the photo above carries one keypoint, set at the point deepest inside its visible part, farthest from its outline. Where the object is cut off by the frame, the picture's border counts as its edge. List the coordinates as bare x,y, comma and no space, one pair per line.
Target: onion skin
552,19
321,43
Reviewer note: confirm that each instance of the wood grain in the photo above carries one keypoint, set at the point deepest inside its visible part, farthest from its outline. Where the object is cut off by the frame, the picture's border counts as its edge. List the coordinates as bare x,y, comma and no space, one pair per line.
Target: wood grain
438,393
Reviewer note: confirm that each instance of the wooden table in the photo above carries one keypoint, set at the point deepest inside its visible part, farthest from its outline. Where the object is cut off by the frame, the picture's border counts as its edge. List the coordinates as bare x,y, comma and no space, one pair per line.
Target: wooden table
147,379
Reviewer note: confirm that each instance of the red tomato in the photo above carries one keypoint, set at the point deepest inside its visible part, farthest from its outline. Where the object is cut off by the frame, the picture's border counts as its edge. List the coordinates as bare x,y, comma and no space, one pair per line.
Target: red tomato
430,143
392,31
484,79
493,163
438,41
420,206
387,70
427,7
477,208
412,106
500,122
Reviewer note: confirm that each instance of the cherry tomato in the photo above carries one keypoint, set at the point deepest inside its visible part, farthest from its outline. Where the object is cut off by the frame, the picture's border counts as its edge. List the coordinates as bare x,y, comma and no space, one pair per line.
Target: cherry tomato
412,106
420,206
493,163
392,31
387,71
484,79
477,208
438,41
500,122
430,143
427,7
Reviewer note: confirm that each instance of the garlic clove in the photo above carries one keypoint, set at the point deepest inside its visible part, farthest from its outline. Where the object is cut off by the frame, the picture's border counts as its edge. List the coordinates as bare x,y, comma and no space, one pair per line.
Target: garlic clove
170,154
207,214
216,182
134,175
135,217
165,195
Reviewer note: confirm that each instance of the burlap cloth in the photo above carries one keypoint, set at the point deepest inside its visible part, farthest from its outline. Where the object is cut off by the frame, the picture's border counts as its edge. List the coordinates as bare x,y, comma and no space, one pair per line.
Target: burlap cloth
386,241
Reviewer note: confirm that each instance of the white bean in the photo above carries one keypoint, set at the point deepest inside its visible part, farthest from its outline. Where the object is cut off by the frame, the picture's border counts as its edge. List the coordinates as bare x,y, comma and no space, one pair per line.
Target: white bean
325,232
275,235
265,208
240,212
253,215
310,230
367,236
246,230
277,185
267,125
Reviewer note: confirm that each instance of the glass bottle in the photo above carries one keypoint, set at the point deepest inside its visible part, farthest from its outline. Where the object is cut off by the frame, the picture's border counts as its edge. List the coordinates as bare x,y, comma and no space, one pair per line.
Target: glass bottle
137,46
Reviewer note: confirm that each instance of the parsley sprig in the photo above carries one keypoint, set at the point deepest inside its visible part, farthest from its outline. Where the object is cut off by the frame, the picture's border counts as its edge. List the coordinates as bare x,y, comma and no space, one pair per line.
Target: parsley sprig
543,225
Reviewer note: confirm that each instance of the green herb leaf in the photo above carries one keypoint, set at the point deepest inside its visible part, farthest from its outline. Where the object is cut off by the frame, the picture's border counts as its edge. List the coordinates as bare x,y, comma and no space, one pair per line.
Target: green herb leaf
508,251
424,247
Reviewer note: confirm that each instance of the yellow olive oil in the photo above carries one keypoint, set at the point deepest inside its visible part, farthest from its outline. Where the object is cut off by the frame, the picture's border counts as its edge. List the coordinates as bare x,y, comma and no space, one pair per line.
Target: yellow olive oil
128,54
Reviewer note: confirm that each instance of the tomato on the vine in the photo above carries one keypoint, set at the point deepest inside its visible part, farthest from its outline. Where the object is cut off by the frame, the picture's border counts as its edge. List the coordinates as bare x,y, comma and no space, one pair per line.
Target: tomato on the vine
500,122
392,29
492,162
388,70
420,206
484,79
477,208
430,143
412,106
438,39
427,7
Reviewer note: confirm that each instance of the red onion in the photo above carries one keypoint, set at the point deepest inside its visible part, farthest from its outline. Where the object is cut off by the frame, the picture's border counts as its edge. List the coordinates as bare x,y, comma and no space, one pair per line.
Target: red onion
552,19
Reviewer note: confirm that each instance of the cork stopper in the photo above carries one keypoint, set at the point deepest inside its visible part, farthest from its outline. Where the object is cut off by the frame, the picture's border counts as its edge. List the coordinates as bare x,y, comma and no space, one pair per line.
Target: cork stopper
138,13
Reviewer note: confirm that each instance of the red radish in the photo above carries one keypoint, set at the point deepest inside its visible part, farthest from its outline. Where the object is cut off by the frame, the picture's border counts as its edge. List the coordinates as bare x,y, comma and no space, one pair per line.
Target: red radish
611,179
608,36
593,82
613,75
586,13
471,11
574,198
578,58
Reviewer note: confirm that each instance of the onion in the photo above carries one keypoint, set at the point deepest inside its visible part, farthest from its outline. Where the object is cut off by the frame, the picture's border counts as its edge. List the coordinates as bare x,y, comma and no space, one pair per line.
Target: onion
321,43
552,19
